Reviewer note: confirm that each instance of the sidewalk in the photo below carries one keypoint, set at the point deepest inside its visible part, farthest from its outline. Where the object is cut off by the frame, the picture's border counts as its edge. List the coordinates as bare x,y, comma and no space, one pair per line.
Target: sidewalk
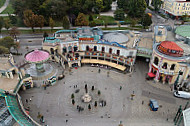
161,86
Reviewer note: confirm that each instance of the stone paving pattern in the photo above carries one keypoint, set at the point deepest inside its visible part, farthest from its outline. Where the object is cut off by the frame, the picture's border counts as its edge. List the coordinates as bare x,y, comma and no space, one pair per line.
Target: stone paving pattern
55,103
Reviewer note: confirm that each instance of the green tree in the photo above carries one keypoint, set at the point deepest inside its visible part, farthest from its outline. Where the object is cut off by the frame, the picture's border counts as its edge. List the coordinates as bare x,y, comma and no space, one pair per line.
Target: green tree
133,23
7,24
4,50
7,42
81,20
90,18
134,8
58,8
1,23
33,5
146,20
51,23
14,32
19,6
13,19
157,4
119,14
66,23
92,24
99,4
185,17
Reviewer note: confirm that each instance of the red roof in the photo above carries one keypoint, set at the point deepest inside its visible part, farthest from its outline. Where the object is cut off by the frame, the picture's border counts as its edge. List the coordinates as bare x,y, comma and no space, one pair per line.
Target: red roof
170,45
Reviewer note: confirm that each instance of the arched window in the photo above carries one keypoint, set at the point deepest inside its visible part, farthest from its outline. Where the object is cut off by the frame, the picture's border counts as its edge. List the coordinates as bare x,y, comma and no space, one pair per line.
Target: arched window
52,51
103,49
87,48
64,49
156,60
75,48
165,65
95,48
172,67
110,50
70,49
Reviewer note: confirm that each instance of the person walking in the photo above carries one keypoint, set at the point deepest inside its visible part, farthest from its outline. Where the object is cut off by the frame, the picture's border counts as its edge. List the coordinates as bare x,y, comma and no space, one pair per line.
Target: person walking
120,87
99,70
108,74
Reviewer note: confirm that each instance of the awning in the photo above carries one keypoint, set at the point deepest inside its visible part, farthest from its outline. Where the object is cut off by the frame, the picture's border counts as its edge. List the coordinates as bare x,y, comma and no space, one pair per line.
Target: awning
150,74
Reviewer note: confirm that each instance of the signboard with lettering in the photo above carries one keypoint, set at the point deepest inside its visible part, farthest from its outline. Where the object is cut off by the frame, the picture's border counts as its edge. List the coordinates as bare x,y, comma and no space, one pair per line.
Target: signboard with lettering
86,39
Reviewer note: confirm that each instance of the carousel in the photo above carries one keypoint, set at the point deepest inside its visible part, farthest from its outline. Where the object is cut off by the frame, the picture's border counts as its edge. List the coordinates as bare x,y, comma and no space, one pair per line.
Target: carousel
38,68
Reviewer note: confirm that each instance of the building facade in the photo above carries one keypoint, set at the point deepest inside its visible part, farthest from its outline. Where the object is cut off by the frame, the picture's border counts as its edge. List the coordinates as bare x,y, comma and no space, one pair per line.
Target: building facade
83,48
176,8
166,63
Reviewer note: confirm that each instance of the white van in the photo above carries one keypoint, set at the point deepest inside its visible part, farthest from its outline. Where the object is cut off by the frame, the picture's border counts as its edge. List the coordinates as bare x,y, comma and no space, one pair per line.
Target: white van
182,94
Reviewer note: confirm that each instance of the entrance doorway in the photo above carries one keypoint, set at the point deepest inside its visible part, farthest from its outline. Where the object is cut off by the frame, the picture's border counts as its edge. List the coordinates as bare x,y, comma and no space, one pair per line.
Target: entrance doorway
118,52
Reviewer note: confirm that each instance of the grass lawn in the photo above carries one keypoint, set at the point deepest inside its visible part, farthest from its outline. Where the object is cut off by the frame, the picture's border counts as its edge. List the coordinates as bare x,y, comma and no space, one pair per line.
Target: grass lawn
2,2
9,9
122,28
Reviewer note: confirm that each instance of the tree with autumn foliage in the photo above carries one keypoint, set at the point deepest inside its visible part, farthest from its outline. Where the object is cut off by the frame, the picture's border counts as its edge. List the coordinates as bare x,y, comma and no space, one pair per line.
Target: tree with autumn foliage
33,20
81,20
30,19
40,21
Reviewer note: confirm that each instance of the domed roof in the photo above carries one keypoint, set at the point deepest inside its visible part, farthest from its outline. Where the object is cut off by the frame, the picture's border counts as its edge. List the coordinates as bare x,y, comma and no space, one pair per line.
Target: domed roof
116,37
37,56
183,30
170,45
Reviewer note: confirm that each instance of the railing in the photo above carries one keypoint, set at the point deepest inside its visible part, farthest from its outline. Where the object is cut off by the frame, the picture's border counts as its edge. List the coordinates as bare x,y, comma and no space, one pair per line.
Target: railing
18,114
18,86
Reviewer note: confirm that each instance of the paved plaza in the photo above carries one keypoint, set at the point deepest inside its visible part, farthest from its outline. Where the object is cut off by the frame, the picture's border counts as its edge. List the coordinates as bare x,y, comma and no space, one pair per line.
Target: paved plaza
55,105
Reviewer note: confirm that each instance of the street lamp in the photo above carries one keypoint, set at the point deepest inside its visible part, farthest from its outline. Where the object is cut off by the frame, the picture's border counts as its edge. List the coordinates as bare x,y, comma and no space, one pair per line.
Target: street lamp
176,81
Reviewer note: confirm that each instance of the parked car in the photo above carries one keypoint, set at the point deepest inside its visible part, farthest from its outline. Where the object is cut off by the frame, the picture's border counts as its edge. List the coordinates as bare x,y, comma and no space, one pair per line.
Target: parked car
182,94
153,105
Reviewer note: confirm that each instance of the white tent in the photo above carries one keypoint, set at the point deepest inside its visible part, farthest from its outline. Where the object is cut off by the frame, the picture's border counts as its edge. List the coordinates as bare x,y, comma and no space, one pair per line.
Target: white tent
186,117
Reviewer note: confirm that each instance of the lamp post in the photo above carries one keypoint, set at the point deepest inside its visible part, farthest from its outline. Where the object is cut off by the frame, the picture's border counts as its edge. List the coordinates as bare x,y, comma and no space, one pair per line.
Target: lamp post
176,81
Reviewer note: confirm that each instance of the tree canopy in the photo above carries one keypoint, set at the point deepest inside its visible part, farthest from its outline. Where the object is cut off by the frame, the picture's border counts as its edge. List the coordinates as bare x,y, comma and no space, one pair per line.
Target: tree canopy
146,20
33,20
81,20
134,8
119,14
7,42
60,8
157,4
1,23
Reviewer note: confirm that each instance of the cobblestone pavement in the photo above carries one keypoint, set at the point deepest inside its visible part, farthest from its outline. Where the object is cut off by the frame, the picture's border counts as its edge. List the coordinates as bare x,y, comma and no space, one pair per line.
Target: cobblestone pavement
55,102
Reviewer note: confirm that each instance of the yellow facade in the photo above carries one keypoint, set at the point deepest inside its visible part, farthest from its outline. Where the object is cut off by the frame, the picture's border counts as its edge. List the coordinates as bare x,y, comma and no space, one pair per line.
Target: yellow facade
176,8
173,73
